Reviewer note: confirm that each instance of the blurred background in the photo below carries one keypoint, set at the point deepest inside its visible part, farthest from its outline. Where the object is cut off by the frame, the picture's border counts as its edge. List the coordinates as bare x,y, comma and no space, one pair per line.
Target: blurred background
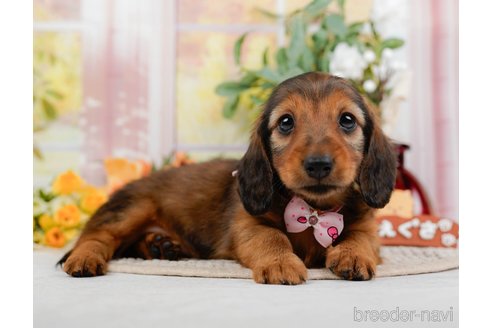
149,79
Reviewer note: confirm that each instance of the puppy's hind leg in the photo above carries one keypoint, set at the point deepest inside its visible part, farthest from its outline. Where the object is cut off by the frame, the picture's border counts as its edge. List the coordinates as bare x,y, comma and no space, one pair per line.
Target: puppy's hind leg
158,242
117,221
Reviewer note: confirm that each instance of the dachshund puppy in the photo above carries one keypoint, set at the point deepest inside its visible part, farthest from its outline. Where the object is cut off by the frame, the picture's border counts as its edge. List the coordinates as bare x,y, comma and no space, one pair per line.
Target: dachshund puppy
317,154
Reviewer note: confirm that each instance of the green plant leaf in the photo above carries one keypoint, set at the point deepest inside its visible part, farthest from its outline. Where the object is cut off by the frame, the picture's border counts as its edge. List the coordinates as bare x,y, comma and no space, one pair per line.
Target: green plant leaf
374,31
268,75
320,39
324,62
265,57
392,43
257,101
248,79
291,73
37,153
237,48
54,94
230,107
49,109
341,5
355,28
46,196
297,41
335,24
307,60
268,85
267,13
282,60
230,88
316,7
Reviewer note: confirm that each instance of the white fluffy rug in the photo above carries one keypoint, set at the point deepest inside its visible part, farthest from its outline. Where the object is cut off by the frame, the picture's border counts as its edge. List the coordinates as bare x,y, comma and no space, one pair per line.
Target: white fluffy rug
397,261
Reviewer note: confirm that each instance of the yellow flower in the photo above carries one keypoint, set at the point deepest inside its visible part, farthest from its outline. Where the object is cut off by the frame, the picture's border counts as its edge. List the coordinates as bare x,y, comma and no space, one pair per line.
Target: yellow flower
92,200
55,237
71,233
67,183
37,236
46,221
67,216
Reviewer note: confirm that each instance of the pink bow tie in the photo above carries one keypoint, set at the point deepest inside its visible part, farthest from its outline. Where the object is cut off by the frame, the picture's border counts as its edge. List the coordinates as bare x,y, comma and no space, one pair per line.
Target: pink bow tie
299,216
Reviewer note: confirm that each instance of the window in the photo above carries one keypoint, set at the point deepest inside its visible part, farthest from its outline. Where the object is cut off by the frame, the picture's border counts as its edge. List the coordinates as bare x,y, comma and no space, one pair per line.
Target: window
57,88
205,40
138,78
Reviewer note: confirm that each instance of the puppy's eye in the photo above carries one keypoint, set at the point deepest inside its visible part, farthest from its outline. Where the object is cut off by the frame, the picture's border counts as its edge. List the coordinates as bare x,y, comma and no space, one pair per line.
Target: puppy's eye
347,122
286,124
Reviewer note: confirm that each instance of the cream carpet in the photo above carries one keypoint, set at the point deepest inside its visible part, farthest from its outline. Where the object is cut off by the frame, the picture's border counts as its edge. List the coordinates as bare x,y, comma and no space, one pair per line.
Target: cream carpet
120,300
397,261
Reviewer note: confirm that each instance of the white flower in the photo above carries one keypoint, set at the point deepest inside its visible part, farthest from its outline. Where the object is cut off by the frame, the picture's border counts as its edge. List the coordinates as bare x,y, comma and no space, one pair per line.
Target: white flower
390,17
389,66
380,71
61,201
369,86
347,62
39,206
369,56
397,65
387,54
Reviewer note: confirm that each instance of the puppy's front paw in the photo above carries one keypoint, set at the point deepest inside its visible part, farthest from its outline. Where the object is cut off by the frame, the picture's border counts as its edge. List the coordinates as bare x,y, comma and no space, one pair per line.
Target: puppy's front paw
285,270
350,264
85,264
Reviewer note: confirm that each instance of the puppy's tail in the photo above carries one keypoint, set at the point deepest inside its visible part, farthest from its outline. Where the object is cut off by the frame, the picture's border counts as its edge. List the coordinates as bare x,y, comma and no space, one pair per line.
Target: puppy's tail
63,259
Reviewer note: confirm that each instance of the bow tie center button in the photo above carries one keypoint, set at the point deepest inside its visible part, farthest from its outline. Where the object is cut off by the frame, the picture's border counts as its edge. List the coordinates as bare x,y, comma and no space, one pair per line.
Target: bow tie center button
313,220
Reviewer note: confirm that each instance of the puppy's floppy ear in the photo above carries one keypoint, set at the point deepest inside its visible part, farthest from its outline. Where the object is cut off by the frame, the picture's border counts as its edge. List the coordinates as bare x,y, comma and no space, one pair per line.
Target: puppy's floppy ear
255,175
378,169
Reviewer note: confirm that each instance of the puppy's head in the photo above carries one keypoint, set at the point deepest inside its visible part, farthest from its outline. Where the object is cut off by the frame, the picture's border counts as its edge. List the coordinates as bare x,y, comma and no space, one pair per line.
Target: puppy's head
318,137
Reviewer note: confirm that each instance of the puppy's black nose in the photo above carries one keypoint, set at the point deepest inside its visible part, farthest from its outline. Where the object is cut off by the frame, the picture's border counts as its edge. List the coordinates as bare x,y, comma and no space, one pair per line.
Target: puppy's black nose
318,167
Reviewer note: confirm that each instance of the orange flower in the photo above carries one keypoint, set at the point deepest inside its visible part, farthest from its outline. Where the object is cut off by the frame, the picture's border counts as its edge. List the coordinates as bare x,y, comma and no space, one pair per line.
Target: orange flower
143,168
67,216
181,159
92,200
120,171
67,183
55,237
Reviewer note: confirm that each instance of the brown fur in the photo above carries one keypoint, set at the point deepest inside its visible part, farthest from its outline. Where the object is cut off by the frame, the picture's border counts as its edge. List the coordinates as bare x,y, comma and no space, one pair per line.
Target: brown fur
202,211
